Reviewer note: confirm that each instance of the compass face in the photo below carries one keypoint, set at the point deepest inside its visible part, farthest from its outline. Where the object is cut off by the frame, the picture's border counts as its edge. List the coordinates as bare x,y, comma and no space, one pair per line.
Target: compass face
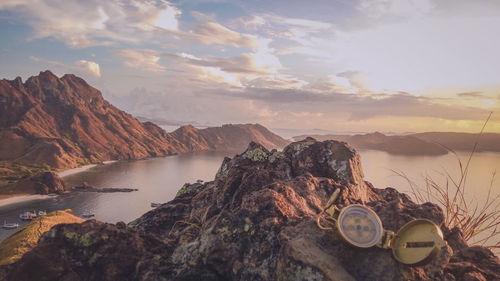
360,226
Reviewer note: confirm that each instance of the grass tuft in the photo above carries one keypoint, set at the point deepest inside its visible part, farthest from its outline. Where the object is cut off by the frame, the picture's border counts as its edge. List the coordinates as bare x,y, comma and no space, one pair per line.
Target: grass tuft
479,220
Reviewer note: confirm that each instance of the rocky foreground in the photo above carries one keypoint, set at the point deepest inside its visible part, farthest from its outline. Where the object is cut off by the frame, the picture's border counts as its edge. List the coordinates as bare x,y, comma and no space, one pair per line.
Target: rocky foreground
255,221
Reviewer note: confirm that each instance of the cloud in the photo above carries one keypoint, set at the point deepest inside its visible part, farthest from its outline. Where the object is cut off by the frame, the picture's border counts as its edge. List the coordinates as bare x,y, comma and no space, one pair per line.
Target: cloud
202,16
356,79
242,64
476,94
89,23
355,106
251,23
395,9
141,59
88,66
168,18
214,33
332,83
81,67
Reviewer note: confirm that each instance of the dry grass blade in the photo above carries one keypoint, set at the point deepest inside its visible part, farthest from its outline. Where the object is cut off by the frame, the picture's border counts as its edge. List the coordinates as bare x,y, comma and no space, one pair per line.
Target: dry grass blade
478,220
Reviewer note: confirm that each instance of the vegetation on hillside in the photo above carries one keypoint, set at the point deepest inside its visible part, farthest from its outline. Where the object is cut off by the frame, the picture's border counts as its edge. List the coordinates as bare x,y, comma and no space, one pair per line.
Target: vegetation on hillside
14,247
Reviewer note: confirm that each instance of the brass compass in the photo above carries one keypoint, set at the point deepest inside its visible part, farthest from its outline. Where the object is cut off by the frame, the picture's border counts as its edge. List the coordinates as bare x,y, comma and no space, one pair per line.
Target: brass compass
416,243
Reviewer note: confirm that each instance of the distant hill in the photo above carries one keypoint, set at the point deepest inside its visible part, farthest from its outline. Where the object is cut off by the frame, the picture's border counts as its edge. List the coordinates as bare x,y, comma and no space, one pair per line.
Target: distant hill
403,145
64,122
232,137
463,141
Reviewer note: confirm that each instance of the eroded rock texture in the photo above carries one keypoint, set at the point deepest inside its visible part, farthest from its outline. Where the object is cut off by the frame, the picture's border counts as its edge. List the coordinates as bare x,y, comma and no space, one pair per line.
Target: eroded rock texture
255,221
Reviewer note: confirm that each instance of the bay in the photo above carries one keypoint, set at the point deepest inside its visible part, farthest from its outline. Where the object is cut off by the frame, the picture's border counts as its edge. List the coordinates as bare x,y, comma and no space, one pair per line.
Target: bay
158,180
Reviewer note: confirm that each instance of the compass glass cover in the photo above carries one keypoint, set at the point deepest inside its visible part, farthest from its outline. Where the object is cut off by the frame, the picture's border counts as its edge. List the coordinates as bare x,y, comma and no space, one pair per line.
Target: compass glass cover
360,226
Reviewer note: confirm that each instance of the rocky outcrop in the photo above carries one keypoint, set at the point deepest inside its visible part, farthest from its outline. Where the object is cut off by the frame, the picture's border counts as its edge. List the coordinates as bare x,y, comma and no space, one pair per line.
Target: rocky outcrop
42,183
254,221
85,187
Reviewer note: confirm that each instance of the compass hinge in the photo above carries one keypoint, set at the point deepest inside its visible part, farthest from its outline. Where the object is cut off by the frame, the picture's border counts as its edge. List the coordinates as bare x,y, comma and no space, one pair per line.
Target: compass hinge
385,241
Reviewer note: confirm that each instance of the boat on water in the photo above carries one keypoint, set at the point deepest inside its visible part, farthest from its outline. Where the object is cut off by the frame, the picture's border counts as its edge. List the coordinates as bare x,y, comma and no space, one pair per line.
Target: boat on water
87,215
27,216
154,205
9,225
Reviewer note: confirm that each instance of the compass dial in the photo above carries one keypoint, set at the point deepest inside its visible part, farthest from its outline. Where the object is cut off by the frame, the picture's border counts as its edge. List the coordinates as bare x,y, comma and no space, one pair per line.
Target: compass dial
360,226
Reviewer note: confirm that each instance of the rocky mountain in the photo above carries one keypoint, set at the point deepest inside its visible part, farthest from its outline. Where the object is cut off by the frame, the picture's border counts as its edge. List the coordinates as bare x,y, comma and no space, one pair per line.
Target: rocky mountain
403,145
231,137
255,221
64,122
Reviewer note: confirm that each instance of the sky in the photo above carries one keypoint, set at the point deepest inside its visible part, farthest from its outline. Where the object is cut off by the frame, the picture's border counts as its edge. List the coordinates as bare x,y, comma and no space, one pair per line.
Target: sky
338,65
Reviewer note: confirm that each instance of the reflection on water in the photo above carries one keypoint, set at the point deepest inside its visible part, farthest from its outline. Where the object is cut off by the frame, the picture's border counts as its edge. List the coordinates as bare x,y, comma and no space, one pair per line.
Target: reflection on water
159,179
380,168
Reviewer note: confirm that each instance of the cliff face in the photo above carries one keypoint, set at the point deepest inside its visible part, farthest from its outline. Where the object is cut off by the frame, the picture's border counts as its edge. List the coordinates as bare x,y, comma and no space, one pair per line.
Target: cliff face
64,122
255,221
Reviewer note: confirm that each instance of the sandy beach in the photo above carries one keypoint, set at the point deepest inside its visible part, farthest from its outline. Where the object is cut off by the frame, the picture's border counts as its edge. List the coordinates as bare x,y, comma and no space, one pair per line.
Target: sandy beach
22,198
16,198
68,172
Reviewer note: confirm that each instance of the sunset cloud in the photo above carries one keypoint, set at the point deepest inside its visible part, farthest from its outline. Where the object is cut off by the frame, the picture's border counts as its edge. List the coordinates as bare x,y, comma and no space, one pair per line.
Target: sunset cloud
215,33
88,66
90,23
143,59
81,67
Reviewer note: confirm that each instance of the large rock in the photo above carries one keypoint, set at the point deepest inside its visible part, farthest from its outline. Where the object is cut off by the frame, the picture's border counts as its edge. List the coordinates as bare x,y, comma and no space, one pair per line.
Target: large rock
255,221
42,183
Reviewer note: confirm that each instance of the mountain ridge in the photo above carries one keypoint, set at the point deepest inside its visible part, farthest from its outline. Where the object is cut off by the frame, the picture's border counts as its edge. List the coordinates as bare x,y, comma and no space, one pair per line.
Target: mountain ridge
62,123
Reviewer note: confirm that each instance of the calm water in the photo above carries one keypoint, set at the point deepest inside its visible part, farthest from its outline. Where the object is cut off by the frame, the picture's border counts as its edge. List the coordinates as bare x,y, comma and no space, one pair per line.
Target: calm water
159,179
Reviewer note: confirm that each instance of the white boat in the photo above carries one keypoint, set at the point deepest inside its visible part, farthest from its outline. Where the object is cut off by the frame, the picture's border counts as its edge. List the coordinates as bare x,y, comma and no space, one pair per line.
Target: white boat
154,205
27,216
88,215
10,225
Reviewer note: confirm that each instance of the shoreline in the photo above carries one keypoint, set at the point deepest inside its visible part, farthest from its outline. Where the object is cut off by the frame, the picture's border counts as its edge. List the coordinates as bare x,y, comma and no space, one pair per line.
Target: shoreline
9,199
22,198
76,170
83,168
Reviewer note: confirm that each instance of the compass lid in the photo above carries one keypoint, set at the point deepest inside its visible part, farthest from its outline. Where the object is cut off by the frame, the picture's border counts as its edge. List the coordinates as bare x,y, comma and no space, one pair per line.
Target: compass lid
417,242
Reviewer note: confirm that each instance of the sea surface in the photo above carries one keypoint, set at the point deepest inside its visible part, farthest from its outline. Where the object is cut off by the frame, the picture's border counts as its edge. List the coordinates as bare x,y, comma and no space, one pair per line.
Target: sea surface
158,180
